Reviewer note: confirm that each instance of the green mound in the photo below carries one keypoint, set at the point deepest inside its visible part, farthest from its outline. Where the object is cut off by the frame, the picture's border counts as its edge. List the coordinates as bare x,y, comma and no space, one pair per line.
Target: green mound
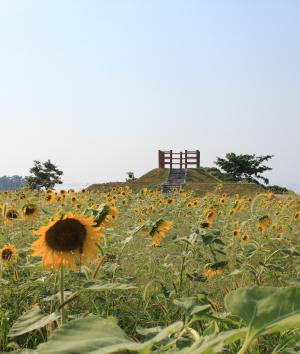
199,175
198,181
152,179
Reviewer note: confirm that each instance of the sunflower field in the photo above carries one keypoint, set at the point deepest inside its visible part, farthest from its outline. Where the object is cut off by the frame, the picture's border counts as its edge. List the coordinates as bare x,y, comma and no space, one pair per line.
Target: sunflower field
145,272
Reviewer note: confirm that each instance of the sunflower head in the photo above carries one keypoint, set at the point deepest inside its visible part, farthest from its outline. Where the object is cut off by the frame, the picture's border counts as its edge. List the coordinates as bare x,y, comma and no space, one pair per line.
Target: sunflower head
10,214
8,254
264,223
206,224
159,231
30,211
237,232
212,213
211,272
245,238
65,238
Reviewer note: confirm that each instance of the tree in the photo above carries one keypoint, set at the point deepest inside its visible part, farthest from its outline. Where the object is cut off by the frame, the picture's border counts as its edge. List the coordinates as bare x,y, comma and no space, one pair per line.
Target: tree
44,175
244,167
131,176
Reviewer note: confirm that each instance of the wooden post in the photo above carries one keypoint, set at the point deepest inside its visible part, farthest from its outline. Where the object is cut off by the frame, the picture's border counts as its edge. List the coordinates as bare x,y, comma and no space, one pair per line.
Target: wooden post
198,158
159,159
180,160
171,157
186,158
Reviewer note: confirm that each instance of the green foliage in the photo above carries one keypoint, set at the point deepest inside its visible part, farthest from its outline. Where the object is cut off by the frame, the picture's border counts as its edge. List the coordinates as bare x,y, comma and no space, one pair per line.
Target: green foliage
244,167
99,336
265,310
276,189
44,175
168,299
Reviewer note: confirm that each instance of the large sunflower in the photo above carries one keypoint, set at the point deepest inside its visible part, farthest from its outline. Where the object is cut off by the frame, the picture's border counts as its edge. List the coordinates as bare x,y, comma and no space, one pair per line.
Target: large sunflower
65,238
8,254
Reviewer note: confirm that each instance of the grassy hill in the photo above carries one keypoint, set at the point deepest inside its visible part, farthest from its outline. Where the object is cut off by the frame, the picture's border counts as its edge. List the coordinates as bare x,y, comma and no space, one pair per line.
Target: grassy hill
152,179
197,180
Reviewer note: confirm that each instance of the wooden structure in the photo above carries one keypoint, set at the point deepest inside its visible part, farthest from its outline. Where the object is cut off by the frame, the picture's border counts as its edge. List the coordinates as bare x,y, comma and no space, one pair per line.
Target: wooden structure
186,159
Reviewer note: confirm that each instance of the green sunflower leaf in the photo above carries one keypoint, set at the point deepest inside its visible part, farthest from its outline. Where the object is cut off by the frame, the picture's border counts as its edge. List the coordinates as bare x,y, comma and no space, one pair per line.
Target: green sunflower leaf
31,320
98,336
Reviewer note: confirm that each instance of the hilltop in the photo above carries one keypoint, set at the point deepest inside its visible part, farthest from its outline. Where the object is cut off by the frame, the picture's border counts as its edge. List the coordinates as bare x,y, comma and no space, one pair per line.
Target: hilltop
197,180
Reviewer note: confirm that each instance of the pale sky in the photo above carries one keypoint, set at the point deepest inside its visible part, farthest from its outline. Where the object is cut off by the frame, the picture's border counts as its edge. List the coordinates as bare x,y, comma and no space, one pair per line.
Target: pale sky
99,86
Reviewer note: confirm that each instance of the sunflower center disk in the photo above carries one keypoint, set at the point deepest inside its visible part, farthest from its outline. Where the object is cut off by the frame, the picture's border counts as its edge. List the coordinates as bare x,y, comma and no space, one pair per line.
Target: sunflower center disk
66,235
12,215
29,210
6,254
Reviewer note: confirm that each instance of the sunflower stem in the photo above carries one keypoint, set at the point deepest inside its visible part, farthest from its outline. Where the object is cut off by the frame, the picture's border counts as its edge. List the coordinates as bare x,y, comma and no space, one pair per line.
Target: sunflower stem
62,295
100,262
182,268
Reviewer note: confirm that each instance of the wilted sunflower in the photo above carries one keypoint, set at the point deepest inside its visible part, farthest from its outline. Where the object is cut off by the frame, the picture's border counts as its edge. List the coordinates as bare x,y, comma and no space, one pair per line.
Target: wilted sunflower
10,214
30,211
65,238
159,230
8,254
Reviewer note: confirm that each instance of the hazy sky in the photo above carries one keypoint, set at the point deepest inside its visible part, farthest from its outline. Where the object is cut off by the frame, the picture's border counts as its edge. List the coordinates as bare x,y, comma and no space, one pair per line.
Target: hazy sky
100,86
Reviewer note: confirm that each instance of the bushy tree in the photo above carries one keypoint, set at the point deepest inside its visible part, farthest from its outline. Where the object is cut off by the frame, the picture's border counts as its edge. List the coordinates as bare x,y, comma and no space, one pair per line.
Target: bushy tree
44,175
131,176
244,167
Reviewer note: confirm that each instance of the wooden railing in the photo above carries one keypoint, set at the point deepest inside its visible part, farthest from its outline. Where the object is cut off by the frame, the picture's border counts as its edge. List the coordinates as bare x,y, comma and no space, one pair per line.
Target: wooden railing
186,159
